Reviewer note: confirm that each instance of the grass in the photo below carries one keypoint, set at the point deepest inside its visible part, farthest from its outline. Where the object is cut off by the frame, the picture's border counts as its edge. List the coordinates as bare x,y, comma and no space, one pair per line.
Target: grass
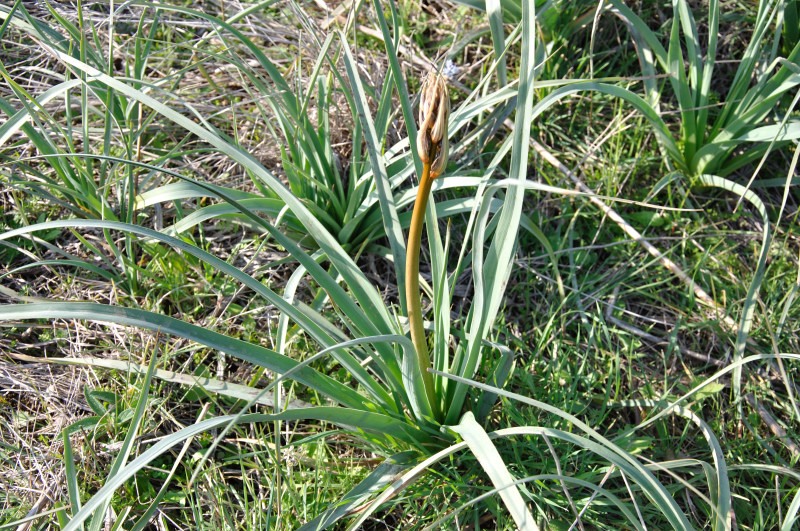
224,197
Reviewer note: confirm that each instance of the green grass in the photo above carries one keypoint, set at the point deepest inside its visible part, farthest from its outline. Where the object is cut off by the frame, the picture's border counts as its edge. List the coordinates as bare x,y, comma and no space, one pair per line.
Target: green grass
225,200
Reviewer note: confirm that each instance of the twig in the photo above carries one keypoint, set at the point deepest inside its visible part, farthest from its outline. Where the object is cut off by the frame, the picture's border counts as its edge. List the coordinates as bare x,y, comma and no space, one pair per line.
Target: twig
626,227
773,424
40,504
619,323
211,385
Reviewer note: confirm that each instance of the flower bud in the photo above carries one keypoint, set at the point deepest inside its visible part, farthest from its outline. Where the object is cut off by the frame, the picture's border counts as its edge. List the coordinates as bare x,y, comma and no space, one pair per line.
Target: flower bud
434,111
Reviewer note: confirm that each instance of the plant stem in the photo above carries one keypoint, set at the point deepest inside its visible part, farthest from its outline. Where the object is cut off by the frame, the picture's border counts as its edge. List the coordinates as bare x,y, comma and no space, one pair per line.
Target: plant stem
413,295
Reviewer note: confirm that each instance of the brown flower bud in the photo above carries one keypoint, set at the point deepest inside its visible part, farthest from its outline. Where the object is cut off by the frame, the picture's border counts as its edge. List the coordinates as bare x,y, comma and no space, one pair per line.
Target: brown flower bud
434,111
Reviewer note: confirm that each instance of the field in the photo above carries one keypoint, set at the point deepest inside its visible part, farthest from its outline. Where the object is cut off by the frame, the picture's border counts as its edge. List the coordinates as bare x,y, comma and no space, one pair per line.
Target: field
399,264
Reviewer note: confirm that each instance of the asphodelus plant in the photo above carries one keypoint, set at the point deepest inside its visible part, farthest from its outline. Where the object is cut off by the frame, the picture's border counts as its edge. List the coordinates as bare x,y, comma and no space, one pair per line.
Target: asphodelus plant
721,130
410,393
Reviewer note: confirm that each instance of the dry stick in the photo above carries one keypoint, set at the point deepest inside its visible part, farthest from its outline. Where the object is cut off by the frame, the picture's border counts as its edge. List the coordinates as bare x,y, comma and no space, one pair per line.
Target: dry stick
40,504
658,341
334,15
773,424
626,227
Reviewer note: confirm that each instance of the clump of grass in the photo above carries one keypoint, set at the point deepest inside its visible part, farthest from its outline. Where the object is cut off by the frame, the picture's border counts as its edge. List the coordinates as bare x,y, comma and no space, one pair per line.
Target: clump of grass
710,132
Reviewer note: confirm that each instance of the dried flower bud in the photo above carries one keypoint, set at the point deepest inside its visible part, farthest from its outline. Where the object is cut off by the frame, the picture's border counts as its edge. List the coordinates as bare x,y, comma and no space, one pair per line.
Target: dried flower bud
434,111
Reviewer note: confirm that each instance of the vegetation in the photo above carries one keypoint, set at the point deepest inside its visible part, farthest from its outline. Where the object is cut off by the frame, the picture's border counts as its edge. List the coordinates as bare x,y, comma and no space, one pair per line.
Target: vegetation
399,264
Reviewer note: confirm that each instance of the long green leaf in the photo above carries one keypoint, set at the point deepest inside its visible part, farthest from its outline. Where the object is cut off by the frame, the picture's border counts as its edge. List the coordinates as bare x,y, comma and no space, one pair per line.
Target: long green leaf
485,451
494,9
71,473
682,88
255,354
791,517
99,517
388,208
22,117
750,302
490,277
187,190
704,90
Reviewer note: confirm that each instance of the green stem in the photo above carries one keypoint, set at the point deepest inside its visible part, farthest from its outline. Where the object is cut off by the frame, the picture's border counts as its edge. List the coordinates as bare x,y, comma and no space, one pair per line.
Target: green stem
413,295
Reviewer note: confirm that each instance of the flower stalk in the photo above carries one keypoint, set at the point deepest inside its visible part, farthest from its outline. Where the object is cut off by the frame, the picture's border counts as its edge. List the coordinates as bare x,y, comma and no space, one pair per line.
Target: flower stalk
432,148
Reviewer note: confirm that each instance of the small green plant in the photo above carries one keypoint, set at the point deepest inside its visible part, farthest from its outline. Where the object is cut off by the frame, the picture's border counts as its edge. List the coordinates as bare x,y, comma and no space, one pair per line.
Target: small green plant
719,133
76,166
